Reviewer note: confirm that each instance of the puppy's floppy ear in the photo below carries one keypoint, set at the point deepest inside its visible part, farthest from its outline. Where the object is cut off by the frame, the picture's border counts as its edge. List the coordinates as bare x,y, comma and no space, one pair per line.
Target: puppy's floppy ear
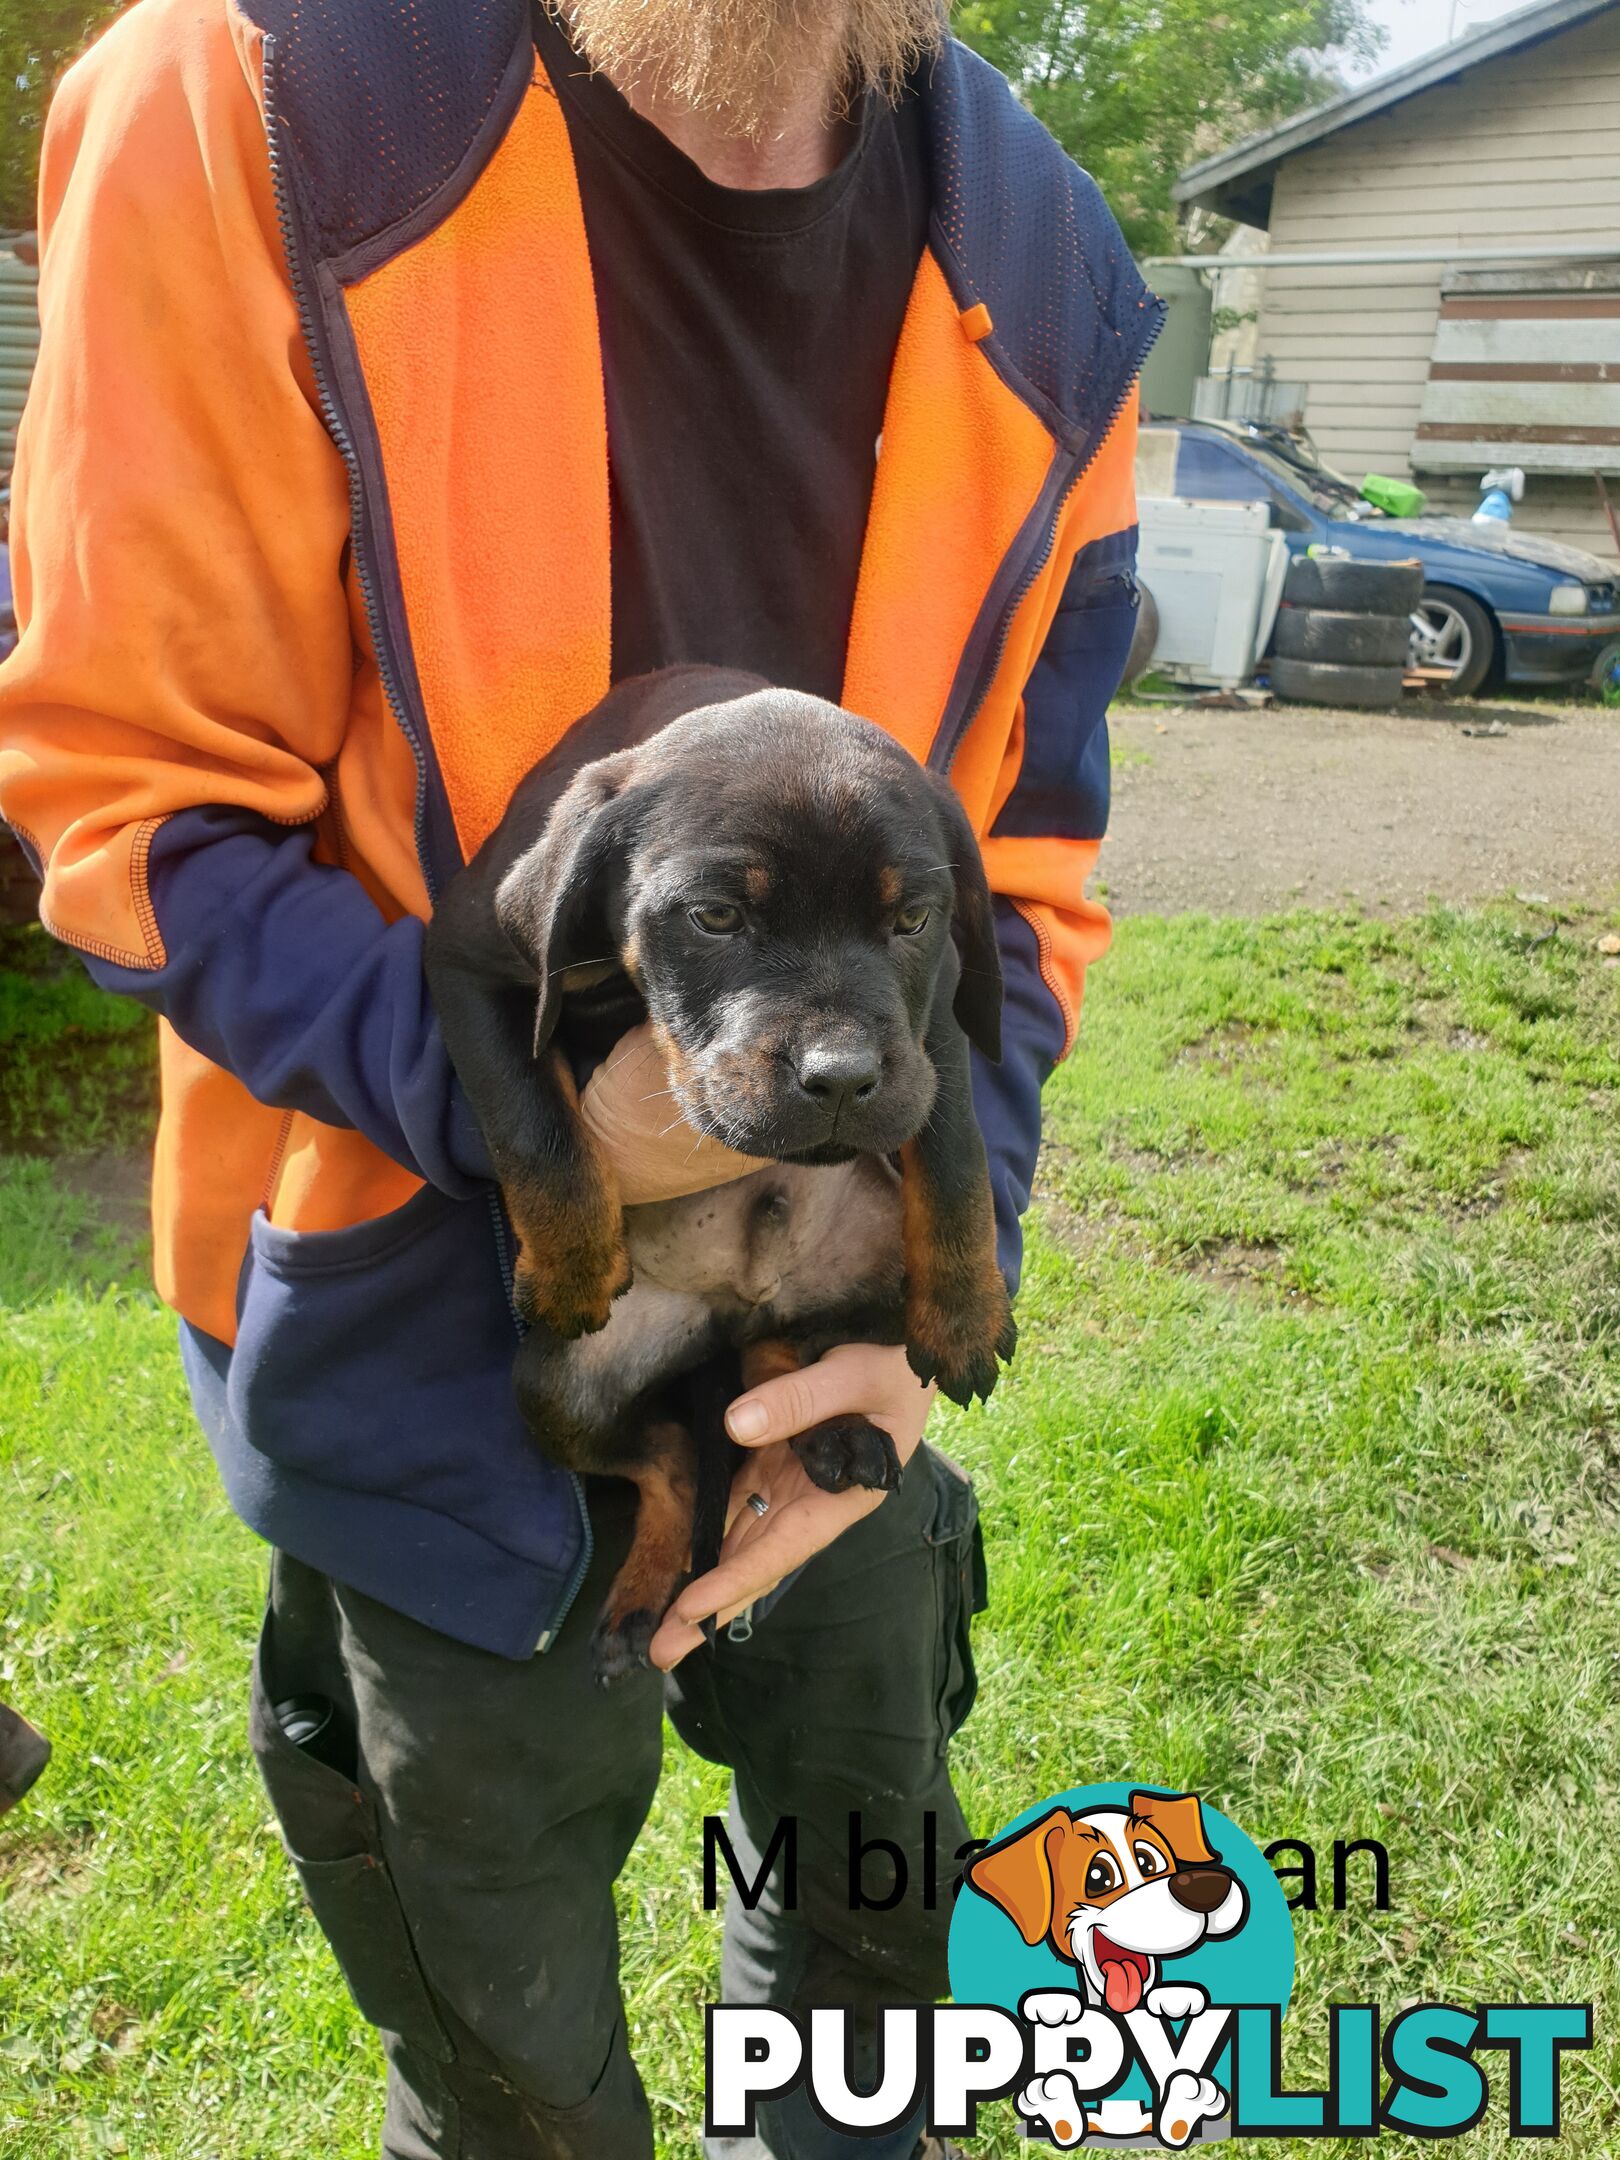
977,1003
553,902
1018,1874
1179,1820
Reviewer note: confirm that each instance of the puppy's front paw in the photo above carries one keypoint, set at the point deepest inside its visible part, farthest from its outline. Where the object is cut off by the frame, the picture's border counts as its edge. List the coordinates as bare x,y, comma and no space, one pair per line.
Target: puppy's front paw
959,1328
1177,2001
846,1452
1052,2006
572,1260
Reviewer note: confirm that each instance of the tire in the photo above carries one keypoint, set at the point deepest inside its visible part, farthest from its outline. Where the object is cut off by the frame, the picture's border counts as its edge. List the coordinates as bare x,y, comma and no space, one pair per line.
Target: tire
1145,639
1451,627
1354,588
1348,640
1316,682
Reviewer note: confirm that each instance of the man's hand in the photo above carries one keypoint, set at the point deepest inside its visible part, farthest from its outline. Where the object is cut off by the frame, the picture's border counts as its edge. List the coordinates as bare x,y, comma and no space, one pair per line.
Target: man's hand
860,1379
628,1106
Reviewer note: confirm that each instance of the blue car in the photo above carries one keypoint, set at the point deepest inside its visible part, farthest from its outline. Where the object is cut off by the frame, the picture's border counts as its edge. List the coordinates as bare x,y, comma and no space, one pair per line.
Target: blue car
1499,605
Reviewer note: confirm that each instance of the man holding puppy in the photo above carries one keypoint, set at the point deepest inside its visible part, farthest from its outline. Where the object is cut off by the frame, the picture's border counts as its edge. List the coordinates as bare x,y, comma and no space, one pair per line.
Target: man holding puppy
409,373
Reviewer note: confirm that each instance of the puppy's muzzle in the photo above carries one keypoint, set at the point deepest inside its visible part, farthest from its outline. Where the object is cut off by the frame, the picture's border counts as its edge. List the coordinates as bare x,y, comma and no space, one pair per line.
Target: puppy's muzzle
1201,1890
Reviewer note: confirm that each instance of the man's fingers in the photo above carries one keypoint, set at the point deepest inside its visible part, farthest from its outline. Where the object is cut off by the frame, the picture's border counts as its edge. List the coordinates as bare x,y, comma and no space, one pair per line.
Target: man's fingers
846,1382
754,1566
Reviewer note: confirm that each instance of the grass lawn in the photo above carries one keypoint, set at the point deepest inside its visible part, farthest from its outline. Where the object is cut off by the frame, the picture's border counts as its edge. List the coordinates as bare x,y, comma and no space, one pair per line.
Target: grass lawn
1305,1494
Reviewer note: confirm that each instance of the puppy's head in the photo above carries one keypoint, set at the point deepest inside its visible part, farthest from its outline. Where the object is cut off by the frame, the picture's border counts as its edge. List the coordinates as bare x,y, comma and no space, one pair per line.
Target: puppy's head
1115,1890
791,892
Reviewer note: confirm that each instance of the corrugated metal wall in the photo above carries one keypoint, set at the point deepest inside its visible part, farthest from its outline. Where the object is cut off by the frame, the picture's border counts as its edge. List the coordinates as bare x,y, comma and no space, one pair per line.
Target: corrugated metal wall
19,340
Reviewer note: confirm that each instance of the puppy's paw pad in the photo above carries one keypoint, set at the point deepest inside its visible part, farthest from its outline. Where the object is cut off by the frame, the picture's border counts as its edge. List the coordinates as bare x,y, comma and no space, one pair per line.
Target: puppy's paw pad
1188,2100
620,1644
849,1452
1054,2101
1052,2006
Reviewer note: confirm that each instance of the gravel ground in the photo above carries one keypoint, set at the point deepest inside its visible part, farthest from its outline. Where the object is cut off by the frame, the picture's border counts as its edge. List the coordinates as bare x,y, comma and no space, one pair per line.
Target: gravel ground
1246,812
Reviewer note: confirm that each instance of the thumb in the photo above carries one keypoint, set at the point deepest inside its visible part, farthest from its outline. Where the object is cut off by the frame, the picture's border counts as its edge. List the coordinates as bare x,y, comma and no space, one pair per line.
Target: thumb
837,1385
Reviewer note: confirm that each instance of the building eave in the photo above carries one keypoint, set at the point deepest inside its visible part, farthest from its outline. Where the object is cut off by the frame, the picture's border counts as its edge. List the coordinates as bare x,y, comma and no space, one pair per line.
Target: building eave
1237,183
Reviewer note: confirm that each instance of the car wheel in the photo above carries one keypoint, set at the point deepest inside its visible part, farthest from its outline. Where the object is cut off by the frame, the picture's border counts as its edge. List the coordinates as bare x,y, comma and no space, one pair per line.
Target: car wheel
1351,640
1318,682
1144,641
1451,631
1353,588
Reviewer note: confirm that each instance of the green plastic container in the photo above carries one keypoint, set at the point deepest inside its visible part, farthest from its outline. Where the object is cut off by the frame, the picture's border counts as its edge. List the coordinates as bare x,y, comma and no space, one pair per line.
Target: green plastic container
1398,497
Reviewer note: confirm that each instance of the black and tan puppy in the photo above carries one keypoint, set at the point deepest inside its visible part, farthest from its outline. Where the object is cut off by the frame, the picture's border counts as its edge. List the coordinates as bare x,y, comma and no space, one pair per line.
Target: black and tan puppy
801,911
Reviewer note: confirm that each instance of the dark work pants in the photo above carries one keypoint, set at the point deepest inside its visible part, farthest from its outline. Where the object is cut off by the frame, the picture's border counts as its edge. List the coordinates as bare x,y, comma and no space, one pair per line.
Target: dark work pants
458,1821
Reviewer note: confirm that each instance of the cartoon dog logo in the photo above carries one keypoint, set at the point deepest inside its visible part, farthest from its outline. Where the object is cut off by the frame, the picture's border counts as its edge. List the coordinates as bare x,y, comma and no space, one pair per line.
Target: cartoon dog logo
1116,1892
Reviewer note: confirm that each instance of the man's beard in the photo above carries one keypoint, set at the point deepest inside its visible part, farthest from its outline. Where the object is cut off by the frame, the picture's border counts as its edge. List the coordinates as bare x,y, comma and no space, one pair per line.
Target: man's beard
749,62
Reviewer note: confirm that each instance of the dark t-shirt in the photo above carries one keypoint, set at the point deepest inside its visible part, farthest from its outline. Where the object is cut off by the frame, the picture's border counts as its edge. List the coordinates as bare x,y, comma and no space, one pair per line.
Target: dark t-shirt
747,338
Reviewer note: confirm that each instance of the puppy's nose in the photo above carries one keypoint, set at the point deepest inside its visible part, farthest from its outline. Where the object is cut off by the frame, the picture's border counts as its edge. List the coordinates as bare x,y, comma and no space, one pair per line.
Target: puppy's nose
839,1072
1201,1890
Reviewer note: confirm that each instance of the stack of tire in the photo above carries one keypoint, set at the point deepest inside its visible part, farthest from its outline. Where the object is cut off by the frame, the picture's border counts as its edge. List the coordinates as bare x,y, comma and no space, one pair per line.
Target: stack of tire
1344,631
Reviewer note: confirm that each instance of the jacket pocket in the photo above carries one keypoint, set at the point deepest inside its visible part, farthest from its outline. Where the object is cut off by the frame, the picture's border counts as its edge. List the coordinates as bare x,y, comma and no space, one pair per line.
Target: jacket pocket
330,1829
378,1359
961,1588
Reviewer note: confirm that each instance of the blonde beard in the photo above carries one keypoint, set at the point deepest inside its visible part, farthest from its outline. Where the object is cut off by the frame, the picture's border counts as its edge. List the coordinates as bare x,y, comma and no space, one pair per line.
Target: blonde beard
747,62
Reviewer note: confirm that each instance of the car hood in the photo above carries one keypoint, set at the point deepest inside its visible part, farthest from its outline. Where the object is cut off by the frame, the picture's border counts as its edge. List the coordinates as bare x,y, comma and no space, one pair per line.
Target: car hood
1499,539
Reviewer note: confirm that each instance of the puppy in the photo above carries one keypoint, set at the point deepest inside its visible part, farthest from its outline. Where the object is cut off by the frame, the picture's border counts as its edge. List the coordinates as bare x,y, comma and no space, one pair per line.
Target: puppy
801,911
1115,1892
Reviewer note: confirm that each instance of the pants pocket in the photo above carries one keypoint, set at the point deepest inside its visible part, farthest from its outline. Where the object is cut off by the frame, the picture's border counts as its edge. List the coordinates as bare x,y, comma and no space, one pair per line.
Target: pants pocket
330,1829
961,1587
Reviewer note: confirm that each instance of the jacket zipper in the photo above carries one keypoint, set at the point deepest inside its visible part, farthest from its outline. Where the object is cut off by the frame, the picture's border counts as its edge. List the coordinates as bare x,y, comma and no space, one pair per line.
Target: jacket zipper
388,669
987,641
337,427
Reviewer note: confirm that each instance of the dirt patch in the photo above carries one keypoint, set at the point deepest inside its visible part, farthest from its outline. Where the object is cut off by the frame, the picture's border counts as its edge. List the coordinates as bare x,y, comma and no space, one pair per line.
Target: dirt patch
1243,1270
1243,813
119,1181
49,1865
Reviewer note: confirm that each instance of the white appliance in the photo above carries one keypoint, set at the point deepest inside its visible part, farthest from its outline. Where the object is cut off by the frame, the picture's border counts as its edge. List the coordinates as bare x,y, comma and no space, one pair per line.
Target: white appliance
1215,570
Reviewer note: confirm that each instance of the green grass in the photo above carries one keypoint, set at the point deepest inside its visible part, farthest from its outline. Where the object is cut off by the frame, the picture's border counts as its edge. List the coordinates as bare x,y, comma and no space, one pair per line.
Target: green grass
1305,1493
72,1059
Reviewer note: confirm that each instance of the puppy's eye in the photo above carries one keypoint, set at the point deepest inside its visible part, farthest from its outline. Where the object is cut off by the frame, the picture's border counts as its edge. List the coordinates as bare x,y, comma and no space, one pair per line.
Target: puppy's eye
911,921
721,920
1150,1860
1102,1876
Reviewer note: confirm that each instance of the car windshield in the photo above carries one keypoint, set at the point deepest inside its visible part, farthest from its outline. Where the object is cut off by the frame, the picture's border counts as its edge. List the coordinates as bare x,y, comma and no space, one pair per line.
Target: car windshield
1298,467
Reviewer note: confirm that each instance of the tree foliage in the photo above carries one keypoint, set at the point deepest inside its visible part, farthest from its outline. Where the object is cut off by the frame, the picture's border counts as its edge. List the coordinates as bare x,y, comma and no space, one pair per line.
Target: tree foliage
37,40
1138,89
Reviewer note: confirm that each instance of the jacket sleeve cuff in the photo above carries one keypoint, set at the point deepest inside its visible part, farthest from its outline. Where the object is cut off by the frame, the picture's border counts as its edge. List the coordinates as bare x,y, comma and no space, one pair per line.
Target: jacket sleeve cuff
1007,1097
283,971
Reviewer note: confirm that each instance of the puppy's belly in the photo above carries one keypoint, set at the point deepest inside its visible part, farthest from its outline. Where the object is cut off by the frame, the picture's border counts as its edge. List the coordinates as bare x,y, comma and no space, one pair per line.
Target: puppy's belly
783,1248
791,1239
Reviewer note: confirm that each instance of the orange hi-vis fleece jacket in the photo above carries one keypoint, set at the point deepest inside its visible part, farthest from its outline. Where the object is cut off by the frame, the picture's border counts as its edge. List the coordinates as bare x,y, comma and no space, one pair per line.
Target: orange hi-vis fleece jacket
311,553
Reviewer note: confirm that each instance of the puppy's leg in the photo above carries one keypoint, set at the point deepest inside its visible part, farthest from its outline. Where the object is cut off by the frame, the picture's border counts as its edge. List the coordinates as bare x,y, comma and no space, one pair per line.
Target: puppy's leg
572,1261
959,1319
559,1189
659,1555
844,1451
